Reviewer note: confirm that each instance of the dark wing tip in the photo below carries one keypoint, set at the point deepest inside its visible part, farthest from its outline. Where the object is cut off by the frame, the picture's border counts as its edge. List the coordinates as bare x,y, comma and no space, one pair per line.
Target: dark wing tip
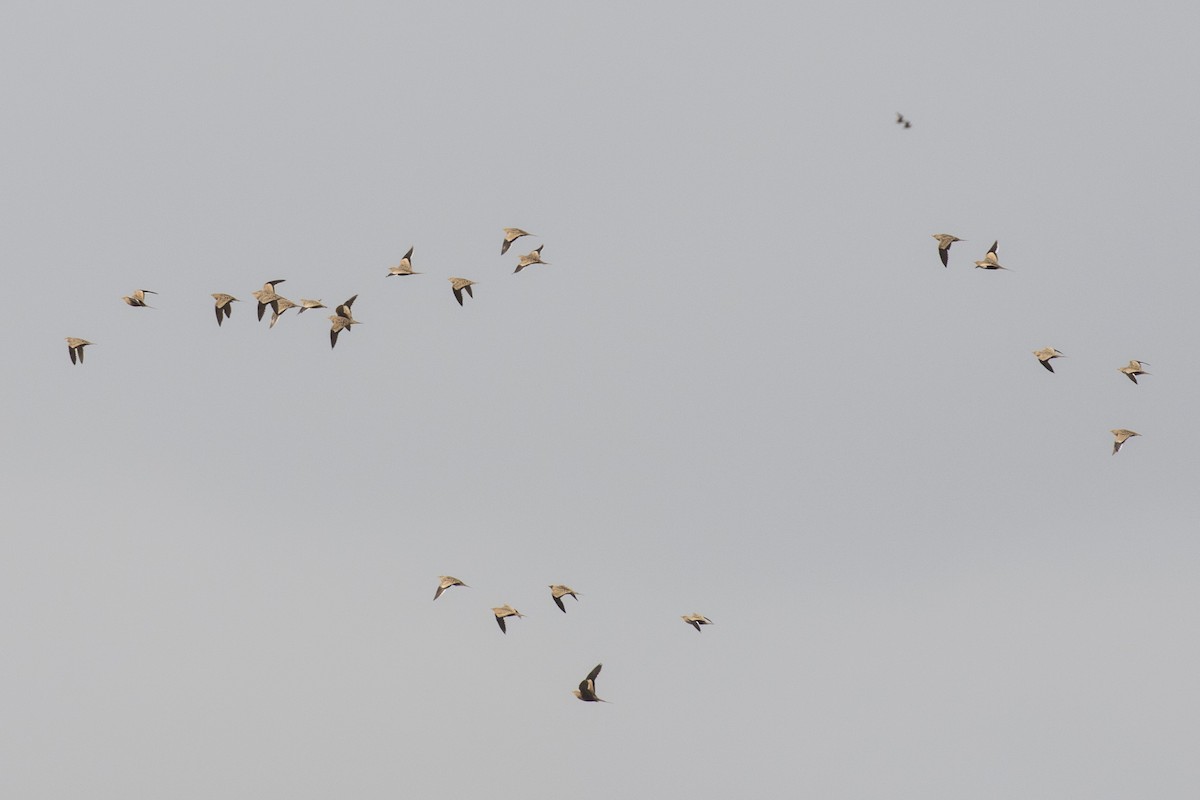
558,602
945,254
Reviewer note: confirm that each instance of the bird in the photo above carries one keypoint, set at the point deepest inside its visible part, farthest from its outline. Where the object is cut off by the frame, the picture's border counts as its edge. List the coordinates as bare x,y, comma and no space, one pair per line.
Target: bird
696,620
305,305
344,309
989,261
404,267
340,324
280,305
457,285
1120,436
944,242
75,348
1045,354
900,120
587,687
445,582
558,592
505,611
138,298
266,297
1134,369
534,257
224,305
510,236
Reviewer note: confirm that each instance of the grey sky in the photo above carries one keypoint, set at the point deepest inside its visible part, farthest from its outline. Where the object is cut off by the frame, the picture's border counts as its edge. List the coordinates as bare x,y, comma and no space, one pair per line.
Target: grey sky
745,387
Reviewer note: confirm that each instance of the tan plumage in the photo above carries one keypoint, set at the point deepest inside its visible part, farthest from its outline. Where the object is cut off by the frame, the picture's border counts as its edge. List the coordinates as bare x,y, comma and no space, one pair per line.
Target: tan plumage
224,305
266,296
505,611
1045,354
989,261
510,236
944,242
587,687
458,285
558,592
280,305
1134,369
343,310
1120,436
75,348
305,305
534,257
445,582
404,267
696,620
138,298
340,324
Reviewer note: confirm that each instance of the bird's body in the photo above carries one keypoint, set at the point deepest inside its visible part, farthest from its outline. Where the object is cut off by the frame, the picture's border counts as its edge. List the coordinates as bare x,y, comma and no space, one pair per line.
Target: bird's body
510,236
445,582
138,298
1120,436
266,297
1134,369
305,305
404,267
989,261
944,242
1045,354
280,305
901,121
458,285
224,305
530,258
696,620
339,324
558,591
343,310
587,687
505,611
75,348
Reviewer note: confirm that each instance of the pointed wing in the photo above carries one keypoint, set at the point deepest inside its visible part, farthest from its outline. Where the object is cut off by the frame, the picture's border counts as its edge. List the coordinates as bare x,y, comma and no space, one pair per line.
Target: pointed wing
439,591
944,252
1047,365
409,253
458,296
500,622
469,292
261,308
558,602
71,350
995,244
333,343
220,315
592,675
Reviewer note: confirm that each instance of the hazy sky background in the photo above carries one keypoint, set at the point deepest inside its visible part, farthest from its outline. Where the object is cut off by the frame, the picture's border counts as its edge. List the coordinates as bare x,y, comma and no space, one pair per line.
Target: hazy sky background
745,386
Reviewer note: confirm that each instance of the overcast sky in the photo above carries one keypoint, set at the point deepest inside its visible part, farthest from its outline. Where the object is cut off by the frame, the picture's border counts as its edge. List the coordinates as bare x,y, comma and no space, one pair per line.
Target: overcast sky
745,386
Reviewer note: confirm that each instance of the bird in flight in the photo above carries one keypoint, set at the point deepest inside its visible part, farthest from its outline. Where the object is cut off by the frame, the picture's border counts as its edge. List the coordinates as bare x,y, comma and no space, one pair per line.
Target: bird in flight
1045,354
280,305
1120,436
534,257
305,305
445,582
989,261
696,620
1134,369
266,297
505,611
558,592
340,324
901,121
457,285
587,687
404,267
138,299
510,236
75,348
224,306
944,242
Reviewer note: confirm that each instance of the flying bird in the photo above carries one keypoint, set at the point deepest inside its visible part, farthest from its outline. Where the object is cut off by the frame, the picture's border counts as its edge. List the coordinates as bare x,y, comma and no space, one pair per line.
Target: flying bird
534,257
944,242
1120,436
138,298
989,261
224,306
457,285
510,236
404,267
1045,354
900,120
558,592
305,305
505,611
340,324
75,348
280,305
1134,369
266,297
344,309
445,582
587,687
696,620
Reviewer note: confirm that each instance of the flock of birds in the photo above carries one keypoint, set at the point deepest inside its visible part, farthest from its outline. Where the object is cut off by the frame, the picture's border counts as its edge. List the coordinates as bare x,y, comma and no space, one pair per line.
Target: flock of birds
1044,355
342,319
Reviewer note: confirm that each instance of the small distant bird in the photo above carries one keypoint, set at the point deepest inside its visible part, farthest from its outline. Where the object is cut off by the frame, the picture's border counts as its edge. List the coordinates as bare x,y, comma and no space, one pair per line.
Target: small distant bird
1134,369
989,261
944,242
558,592
900,120
534,257
696,620
1120,436
404,267
344,309
280,305
457,285
445,582
224,306
340,324
266,297
138,298
305,305
75,348
510,236
1045,354
505,611
587,687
